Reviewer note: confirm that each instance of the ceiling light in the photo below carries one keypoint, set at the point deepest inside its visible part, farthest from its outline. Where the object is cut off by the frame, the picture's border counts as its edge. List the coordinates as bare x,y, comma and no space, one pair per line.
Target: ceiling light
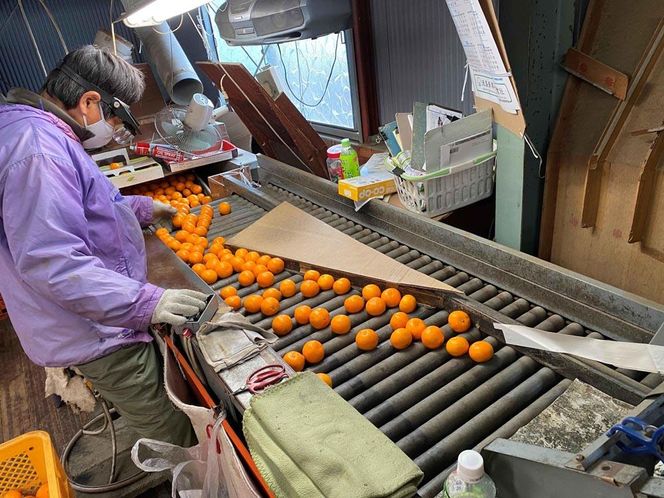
154,12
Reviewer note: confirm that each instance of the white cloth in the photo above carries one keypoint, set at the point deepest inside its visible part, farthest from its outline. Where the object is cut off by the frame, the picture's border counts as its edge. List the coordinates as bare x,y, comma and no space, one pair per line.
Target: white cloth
71,388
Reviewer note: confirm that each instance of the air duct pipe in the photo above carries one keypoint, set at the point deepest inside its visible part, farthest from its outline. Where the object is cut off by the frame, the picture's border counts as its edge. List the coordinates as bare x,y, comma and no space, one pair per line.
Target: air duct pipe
170,61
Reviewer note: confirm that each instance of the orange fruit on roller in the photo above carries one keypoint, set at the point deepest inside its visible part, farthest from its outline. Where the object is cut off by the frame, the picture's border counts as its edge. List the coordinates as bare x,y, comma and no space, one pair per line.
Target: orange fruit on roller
275,265
341,286
340,324
302,314
392,297
199,268
209,276
224,208
183,254
195,257
200,230
408,303
287,288
416,326
252,303
252,256
265,279
208,256
246,278
354,304
264,260
309,288
234,302
295,360
236,263
181,236
312,275
432,337
325,282
242,253
313,351
401,338
369,291
480,351
366,339
258,269
375,306
457,346
228,291
319,318
174,245
270,306
325,378
282,325
459,321
272,292
399,320
249,265
223,269
219,240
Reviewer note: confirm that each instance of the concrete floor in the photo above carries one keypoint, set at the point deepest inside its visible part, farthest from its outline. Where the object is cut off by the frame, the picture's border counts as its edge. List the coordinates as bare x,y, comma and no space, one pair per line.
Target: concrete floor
23,408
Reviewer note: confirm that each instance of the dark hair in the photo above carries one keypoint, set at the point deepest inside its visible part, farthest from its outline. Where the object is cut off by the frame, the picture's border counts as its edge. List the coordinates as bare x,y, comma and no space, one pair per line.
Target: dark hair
106,70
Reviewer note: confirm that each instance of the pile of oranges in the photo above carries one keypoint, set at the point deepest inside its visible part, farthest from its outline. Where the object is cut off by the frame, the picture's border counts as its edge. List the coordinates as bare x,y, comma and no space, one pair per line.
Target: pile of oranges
177,190
42,492
405,330
375,302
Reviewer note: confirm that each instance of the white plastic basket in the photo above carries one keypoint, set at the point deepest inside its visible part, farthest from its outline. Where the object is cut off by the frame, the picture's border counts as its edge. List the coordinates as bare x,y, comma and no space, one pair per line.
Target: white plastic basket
448,189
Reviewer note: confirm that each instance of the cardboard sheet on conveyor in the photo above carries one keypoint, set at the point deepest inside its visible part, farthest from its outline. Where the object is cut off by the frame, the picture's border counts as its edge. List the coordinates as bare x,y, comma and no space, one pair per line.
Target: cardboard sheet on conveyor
292,234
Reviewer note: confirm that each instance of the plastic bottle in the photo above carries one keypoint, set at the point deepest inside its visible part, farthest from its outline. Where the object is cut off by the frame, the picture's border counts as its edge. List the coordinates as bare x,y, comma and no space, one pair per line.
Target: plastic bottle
350,164
469,479
334,163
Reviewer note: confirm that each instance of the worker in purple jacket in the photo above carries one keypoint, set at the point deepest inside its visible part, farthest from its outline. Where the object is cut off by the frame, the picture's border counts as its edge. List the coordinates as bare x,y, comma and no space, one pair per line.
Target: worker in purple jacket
72,257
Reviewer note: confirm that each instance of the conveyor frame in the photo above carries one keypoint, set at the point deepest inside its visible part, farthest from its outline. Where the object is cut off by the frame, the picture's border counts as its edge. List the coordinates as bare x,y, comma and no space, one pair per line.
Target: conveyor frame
595,305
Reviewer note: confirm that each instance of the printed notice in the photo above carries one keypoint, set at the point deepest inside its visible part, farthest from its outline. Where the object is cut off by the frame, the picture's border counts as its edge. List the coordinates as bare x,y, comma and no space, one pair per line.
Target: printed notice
490,78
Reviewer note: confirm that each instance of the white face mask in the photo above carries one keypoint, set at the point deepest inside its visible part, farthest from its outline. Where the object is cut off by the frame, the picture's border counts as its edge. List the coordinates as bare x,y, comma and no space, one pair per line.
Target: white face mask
103,132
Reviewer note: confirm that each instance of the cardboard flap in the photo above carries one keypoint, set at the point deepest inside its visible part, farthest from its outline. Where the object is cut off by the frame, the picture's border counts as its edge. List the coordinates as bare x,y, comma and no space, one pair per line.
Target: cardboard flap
292,234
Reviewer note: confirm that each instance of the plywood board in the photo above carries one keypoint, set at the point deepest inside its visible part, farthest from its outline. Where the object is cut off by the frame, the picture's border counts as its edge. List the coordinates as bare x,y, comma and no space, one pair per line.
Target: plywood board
279,128
290,233
621,35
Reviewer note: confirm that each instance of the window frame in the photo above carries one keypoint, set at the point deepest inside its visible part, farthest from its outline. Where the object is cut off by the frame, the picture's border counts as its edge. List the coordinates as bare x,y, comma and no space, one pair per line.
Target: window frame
325,130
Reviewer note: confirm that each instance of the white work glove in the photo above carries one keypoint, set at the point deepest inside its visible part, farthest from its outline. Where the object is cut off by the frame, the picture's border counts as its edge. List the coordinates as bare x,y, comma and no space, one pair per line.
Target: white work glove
176,305
161,210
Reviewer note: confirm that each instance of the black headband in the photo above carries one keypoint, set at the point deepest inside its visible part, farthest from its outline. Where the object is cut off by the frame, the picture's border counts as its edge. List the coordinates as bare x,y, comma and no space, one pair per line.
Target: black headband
118,108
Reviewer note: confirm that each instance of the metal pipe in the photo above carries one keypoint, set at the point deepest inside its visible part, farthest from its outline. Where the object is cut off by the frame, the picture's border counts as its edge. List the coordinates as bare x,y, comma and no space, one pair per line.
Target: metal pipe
170,61
468,392
432,487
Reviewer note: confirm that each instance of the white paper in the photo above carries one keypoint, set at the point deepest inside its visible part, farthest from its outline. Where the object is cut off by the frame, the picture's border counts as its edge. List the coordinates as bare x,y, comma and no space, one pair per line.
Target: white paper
439,116
490,78
629,355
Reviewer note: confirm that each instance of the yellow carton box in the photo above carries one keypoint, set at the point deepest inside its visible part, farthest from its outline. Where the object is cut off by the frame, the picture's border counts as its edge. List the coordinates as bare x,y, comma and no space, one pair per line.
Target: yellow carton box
362,188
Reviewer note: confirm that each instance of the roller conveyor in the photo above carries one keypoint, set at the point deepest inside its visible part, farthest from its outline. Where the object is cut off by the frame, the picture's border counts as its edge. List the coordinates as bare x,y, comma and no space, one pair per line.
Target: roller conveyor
431,405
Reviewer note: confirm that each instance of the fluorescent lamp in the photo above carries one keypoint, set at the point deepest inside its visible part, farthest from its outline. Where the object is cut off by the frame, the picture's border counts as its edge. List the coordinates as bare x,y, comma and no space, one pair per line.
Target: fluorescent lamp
154,12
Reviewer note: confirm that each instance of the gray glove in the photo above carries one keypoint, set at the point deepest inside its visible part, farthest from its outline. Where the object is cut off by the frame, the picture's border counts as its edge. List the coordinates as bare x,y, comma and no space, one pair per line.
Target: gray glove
176,305
161,210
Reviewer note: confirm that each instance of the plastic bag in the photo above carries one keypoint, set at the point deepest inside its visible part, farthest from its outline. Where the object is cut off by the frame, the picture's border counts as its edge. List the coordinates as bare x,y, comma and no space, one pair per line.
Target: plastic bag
208,470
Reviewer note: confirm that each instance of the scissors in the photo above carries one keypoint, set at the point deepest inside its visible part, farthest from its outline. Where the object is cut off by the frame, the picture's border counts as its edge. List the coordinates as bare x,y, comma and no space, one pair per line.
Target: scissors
263,378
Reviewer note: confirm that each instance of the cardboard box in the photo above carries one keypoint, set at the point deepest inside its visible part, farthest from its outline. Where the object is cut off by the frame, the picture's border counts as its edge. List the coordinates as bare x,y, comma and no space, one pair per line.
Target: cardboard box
362,188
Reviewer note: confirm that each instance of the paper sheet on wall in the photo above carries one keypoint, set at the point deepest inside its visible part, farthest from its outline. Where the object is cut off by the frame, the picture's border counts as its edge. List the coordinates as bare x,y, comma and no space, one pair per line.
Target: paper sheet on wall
629,355
490,78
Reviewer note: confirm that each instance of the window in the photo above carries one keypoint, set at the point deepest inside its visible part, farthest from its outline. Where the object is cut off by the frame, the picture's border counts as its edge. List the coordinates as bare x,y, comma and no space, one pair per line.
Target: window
317,75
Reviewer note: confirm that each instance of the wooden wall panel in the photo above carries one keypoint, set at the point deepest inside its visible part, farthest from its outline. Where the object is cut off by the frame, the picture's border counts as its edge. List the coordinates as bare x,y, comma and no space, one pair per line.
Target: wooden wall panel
622,33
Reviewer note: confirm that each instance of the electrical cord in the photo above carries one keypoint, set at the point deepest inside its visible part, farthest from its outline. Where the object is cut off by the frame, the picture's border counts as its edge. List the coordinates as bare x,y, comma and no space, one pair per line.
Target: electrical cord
327,83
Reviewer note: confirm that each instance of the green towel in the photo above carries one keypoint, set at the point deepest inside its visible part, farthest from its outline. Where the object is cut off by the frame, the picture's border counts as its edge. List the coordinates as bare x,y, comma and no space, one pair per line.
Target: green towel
307,441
